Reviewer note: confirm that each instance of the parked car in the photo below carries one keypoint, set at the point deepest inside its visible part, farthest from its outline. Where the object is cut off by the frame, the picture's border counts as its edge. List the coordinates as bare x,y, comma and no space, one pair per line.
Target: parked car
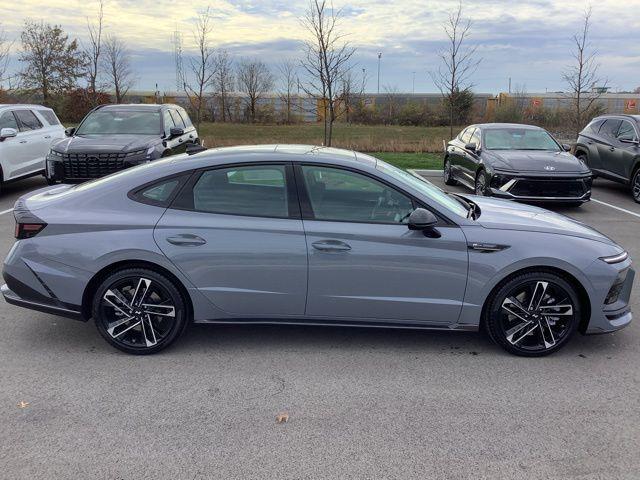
312,236
26,134
115,137
610,145
518,162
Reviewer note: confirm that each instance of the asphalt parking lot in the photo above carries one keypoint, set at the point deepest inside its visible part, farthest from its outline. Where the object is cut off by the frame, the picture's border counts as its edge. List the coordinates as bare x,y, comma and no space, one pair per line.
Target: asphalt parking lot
362,403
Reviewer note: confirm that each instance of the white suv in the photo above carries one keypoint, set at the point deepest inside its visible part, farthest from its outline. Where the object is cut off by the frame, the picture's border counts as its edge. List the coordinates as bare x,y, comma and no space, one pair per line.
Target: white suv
26,134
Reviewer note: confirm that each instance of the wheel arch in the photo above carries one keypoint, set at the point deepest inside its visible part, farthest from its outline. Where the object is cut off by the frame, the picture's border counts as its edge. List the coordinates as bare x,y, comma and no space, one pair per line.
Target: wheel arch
583,296
95,281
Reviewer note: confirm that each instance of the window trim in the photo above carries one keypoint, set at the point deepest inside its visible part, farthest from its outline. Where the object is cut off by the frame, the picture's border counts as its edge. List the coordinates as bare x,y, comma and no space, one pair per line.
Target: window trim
136,193
293,204
307,210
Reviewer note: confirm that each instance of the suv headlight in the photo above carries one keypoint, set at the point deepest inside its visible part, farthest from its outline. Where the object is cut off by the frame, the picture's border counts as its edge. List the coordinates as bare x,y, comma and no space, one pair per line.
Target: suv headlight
56,154
135,153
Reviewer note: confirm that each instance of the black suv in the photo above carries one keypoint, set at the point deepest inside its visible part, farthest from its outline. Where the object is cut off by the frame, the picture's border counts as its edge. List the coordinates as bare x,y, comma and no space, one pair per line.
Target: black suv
610,145
114,137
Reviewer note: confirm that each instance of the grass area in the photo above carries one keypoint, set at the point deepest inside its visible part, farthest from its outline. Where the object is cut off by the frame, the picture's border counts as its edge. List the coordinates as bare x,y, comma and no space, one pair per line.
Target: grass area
364,138
426,161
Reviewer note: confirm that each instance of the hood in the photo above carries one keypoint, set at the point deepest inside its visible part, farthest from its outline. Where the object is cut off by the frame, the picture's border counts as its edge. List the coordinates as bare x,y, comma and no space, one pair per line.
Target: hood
536,161
105,143
509,215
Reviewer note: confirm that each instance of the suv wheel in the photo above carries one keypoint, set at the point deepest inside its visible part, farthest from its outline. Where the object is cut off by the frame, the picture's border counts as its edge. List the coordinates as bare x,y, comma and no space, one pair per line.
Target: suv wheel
635,185
446,174
139,311
533,314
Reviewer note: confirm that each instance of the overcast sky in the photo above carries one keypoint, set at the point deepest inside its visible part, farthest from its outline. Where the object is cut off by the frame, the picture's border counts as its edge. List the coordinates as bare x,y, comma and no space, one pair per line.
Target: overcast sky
528,40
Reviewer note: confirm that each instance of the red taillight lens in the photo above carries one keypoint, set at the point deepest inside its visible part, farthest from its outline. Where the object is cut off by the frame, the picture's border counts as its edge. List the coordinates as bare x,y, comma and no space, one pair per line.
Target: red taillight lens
28,230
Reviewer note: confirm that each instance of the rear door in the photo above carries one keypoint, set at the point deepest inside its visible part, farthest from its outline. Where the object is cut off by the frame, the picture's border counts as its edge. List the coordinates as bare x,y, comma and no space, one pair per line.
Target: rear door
236,233
607,145
365,263
34,145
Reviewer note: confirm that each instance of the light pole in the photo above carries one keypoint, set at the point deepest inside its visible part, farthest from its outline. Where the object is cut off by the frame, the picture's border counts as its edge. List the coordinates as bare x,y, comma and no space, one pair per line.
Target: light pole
413,85
379,57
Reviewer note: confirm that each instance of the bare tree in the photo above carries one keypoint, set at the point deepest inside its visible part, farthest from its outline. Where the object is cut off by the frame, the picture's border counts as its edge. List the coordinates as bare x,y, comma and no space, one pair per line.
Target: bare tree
5,47
288,82
92,53
201,66
458,64
582,76
326,60
117,67
224,83
254,80
352,92
53,64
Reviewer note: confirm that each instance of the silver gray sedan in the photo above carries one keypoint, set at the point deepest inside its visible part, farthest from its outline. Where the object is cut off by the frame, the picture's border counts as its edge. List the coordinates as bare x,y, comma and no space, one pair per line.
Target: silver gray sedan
307,235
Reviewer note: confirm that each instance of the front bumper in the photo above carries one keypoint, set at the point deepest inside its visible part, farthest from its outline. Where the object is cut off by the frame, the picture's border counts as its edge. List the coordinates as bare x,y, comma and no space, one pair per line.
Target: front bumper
528,188
606,318
82,167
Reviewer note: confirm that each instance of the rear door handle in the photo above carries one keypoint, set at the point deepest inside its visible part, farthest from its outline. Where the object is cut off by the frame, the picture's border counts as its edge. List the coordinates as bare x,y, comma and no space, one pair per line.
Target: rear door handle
47,136
612,149
186,240
331,246
23,141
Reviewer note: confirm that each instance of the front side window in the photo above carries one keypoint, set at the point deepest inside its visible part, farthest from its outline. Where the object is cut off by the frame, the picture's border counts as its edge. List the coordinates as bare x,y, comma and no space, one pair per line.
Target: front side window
7,120
168,122
342,195
121,122
50,117
177,119
466,135
610,127
519,139
475,138
185,117
28,121
253,190
626,132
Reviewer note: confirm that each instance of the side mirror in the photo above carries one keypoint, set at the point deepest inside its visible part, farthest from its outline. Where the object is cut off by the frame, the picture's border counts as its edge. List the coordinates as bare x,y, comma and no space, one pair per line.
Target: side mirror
8,133
566,147
176,132
70,131
471,146
422,219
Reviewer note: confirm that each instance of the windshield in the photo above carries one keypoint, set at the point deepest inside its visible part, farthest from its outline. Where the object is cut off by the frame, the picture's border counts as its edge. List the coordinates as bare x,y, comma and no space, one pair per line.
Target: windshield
423,186
519,139
116,122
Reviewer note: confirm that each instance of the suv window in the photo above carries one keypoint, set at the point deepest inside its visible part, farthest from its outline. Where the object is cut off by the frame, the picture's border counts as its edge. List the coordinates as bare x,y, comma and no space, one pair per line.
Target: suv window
50,117
7,120
168,122
258,190
342,195
185,117
626,132
27,120
177,119
610,127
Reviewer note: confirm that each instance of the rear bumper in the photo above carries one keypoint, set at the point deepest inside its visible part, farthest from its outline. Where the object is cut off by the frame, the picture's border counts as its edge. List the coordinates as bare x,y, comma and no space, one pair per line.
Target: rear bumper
14,299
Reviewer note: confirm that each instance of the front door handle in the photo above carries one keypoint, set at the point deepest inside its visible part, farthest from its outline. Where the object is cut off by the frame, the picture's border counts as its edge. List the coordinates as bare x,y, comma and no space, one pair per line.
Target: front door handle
331,246
23,141
47,136
186,240
612,149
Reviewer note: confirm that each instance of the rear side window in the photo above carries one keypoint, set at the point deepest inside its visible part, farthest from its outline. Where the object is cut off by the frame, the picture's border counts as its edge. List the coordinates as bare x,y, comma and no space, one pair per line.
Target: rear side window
50,117
610,127
259,191
7,120
27,120
160,193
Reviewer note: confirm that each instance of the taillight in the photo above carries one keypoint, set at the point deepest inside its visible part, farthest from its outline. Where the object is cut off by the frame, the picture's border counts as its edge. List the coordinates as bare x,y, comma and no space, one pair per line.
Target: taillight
28,230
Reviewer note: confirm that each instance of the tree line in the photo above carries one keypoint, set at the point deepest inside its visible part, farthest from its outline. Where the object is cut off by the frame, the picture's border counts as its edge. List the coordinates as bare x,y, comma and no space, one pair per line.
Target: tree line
66,72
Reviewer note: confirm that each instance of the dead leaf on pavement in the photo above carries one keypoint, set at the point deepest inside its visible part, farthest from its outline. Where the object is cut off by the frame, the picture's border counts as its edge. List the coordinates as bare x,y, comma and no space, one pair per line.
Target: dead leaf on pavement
282,417
23,404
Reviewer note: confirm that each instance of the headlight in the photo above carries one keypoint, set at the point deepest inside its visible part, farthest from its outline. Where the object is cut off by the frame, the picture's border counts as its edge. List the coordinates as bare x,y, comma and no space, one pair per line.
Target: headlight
150,150
620,257
56,154
135,153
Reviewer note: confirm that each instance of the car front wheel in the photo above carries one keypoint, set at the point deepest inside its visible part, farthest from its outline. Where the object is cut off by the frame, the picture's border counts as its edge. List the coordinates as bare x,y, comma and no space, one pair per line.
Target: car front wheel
482,184
533,314
635,185
139,311
446,174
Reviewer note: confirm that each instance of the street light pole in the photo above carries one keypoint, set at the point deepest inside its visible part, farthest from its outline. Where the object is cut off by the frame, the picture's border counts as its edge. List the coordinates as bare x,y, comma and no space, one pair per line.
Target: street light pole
379,57
413,87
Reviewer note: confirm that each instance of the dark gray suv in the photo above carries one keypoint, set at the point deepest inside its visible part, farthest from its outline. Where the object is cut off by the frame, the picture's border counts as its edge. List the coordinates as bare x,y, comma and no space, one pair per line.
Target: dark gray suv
114,137
610,145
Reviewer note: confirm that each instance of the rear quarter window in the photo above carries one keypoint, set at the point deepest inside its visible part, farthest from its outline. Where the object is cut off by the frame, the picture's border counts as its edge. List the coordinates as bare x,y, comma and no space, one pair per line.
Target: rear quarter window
161,192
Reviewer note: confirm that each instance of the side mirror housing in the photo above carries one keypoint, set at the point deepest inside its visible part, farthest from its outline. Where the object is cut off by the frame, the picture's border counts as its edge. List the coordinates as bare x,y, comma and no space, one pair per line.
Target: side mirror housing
70,131
471,146
8,133
176,132
566,147
422,219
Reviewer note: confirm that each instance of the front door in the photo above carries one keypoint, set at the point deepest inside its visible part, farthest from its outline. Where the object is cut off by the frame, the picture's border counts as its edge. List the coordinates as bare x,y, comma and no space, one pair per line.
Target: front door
364,262
235,232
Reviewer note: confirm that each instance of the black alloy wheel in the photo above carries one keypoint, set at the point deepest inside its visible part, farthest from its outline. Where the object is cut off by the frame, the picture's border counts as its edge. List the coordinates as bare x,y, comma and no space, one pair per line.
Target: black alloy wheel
482,184
446,174
533,314
139,311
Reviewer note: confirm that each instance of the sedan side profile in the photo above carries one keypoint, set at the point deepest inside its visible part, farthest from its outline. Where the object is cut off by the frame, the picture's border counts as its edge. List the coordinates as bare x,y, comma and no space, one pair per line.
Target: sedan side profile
610,145
313,236
517,162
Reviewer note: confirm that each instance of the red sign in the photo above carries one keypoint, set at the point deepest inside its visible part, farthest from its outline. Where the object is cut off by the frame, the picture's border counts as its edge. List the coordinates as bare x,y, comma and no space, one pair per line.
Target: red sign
631,105
536,102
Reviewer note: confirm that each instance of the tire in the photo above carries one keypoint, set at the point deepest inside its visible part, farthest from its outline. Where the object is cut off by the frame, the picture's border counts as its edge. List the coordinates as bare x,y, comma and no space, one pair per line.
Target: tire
151,326
635,185
513,321
446,174
482,184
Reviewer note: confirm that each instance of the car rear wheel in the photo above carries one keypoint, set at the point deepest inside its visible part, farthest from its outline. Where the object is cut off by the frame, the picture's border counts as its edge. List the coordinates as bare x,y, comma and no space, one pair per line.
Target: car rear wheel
533,314
139,311
446,174
635,185
482,184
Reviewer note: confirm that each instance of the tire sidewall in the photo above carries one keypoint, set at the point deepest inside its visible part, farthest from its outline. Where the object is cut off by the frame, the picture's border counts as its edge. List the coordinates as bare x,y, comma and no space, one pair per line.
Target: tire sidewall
481,174
179,303
493,324
634,179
